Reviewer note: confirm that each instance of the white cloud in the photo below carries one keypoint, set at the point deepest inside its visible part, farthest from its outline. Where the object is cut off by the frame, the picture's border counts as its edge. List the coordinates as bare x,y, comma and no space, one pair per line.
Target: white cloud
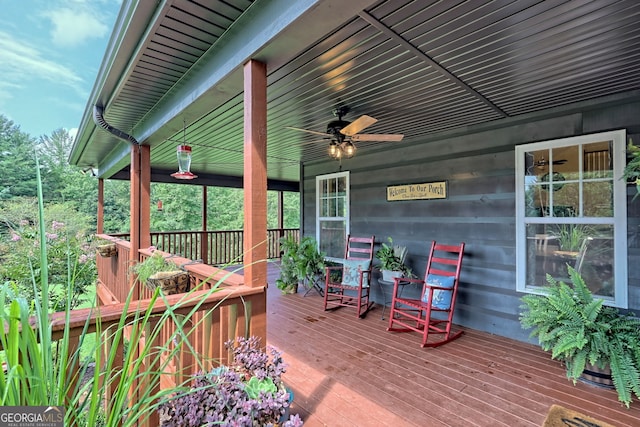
73,27
7,89
21,62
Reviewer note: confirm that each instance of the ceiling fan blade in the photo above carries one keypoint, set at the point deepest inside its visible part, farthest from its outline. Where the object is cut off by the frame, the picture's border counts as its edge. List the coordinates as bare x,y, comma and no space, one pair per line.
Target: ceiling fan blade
357,125
307,130
378,137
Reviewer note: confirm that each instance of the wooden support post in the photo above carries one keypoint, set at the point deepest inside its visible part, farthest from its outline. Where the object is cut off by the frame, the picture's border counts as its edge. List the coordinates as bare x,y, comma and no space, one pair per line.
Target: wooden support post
255,185
100,213
255,173
140,203
204,241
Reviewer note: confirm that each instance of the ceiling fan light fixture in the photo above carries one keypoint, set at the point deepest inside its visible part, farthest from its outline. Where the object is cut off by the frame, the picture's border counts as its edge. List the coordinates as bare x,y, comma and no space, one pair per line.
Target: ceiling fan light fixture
335,152
349,149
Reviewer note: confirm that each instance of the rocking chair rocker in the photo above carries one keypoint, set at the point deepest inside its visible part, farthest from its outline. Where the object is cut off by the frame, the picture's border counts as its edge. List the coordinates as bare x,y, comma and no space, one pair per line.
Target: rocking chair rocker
438,297
354,286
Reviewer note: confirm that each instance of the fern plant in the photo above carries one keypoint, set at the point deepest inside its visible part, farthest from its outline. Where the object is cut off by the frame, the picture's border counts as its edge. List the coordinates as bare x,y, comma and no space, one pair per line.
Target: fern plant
301,263
578,329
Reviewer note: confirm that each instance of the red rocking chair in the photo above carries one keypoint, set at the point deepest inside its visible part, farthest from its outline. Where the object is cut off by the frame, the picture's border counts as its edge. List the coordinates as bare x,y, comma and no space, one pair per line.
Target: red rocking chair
433,312
349,284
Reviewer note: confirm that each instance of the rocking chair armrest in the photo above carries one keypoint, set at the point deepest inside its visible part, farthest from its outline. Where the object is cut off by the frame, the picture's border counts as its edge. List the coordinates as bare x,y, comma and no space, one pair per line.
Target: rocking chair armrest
406,280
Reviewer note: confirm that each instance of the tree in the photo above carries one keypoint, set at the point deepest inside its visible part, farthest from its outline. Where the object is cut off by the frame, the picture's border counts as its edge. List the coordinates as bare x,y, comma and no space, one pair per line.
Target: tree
116,206
181,207
55,149
17,161
53,153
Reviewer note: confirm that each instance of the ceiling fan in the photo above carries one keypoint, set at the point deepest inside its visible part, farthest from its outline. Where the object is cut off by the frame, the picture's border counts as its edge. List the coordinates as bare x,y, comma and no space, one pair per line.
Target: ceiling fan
343,133
542,162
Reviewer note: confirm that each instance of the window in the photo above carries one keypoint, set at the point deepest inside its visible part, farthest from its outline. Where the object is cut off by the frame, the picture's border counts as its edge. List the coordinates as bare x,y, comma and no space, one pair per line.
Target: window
571,211
332,213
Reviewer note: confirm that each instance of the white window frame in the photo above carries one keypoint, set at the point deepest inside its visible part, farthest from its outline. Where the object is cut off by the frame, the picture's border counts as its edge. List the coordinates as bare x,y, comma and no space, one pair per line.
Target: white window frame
618,221
319,219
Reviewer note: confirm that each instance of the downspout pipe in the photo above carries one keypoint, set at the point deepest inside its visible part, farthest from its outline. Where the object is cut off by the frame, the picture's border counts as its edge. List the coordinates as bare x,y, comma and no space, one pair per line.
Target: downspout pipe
99,120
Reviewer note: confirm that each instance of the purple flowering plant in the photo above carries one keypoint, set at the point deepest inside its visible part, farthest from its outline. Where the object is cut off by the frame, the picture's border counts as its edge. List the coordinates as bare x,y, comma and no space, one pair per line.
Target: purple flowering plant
248,392
70,256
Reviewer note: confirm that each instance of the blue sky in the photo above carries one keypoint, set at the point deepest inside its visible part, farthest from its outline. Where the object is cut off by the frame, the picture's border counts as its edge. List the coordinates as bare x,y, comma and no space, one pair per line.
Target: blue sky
50,54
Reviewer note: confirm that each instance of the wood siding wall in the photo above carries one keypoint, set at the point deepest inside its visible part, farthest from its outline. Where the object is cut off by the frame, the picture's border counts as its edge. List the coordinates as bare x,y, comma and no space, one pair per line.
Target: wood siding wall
479,166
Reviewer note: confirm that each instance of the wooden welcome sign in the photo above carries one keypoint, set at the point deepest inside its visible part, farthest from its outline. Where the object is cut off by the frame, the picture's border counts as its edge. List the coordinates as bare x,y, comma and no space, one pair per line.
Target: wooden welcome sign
427,190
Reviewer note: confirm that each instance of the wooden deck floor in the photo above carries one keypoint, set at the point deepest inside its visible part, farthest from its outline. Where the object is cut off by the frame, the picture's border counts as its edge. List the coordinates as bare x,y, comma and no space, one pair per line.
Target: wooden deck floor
346,371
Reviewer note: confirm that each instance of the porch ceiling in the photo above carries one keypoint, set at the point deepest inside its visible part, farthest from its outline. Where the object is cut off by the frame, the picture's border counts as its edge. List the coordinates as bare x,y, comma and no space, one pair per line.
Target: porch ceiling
419,67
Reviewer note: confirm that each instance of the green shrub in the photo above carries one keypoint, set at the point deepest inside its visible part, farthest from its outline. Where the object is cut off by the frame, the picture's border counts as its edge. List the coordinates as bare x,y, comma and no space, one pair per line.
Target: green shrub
70,260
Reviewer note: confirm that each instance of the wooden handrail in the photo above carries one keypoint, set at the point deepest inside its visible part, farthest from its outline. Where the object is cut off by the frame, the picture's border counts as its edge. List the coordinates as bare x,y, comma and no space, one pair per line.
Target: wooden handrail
218,247
108,315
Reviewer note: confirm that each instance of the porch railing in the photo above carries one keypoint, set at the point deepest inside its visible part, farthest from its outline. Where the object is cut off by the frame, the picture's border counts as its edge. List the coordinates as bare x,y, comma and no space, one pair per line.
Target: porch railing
217,317
220,247
232,310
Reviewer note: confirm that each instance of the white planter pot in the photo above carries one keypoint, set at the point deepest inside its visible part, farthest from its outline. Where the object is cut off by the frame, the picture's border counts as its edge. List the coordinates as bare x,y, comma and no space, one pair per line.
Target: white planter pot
389,275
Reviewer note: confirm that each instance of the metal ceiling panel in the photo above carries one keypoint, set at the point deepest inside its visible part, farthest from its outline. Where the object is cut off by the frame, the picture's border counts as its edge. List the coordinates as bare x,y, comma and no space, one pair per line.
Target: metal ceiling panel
419,67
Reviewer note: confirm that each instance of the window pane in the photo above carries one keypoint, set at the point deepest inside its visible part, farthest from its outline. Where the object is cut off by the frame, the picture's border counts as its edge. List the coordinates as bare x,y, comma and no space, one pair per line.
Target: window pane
565,162
332,207
566,200
536,162
324,207
340,207
541,243
331,186
552,248
536,199
598,199
598,162
333,237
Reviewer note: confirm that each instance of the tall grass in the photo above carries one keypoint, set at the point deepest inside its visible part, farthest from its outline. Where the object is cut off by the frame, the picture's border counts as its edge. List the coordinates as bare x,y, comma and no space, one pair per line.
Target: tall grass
41,370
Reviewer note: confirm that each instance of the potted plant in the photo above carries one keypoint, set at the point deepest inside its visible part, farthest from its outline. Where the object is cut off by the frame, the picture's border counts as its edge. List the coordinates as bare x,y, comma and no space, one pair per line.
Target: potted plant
248,392
580,331
310,262
158,272
301,263
571,236
288,280
391,261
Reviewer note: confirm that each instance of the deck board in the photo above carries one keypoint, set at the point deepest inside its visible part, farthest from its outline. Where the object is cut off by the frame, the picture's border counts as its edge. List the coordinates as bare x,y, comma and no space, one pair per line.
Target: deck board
347,371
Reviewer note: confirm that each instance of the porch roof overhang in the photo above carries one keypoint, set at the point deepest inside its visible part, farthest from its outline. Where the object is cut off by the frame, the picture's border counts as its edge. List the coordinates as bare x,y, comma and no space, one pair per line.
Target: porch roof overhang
421,68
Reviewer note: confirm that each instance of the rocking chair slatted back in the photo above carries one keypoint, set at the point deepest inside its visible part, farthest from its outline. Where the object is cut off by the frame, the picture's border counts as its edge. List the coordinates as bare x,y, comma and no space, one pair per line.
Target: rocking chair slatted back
353,288
439,292
359,248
